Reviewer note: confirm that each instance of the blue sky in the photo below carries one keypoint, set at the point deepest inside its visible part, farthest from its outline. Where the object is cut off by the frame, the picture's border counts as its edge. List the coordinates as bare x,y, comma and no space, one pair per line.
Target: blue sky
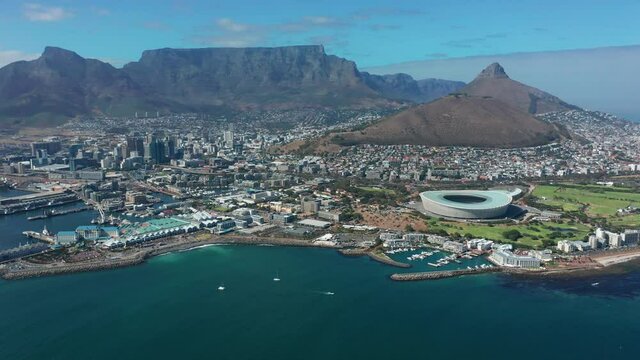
539,41
370,32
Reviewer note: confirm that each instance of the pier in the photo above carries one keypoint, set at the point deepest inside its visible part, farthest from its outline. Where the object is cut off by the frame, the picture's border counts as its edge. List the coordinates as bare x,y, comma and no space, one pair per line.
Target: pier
39,236
52,213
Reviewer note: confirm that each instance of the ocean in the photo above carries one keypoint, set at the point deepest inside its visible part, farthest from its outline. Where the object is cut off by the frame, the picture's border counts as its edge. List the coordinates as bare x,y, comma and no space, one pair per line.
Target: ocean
325,306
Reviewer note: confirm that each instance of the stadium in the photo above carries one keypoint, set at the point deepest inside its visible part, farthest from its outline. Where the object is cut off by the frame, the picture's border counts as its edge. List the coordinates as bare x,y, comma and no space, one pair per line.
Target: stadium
467,204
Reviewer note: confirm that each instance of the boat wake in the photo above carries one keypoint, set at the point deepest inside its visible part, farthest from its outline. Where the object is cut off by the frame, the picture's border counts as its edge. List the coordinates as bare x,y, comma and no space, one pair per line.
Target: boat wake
327,293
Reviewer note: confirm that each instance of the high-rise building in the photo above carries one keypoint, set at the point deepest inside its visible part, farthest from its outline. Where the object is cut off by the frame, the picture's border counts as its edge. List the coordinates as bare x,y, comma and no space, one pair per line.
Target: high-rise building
51,147
227,137
135,143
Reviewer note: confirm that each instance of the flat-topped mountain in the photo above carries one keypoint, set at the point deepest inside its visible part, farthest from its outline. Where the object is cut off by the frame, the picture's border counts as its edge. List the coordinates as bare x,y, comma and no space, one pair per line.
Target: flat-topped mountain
493,81
62,84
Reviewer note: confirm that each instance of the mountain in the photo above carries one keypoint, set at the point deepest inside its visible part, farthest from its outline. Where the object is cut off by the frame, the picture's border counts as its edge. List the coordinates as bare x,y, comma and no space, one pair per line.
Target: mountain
456,120
470,117
404,87
251,77
493,81
62,84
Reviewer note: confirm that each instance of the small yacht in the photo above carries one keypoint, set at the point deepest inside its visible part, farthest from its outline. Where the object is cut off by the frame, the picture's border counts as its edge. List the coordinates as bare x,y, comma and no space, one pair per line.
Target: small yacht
277,278
221,287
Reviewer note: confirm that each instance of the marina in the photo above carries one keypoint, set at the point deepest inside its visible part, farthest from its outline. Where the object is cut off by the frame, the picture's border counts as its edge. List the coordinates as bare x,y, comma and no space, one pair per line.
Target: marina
436,260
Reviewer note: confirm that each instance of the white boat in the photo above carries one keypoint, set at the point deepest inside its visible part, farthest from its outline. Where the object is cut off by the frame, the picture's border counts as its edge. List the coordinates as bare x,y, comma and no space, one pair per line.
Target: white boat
595,284
221,287
328,293
277,278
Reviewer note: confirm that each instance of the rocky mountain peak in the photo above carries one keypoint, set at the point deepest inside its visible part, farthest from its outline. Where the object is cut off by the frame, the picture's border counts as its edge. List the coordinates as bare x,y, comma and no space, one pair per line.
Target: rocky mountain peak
495,71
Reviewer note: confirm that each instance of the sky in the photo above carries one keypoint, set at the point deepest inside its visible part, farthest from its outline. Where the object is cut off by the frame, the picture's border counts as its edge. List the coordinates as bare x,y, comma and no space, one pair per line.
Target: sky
376,34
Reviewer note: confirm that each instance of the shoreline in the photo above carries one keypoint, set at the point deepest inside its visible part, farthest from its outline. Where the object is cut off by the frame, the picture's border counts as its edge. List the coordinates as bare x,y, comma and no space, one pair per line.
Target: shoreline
603,262
32,270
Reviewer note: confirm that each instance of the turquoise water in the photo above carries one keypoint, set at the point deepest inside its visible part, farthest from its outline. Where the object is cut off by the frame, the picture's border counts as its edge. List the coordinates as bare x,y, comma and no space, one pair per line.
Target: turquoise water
169,308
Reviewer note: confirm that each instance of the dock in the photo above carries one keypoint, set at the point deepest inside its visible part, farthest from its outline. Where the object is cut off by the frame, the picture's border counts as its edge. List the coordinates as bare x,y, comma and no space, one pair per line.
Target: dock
52,213
39,236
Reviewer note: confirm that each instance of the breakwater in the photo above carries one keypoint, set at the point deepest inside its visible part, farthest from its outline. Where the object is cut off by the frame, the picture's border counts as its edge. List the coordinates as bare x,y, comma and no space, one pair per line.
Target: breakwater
436,275
375,256
72,268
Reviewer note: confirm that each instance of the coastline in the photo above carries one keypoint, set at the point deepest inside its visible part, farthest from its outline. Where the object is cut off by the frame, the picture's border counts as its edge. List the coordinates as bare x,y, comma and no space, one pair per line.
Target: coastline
615,261
31,270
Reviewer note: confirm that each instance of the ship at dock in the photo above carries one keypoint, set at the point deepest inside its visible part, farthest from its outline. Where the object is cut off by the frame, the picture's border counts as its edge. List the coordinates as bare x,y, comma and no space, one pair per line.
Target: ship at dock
51,213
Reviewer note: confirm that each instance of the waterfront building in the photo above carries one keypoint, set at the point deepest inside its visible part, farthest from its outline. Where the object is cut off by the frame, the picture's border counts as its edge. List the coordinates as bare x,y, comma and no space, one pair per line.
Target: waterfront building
66,237
542,255
225,226
454,246
568,246
96,233
615,239
479,244
505,257
88,232
315,223
631,237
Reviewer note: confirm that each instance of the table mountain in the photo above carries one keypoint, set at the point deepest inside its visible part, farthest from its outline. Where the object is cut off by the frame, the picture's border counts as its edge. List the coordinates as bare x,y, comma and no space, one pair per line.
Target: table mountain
61,84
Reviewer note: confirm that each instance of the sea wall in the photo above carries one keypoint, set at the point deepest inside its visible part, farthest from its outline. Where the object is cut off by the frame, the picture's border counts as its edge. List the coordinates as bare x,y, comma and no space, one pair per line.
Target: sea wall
435,275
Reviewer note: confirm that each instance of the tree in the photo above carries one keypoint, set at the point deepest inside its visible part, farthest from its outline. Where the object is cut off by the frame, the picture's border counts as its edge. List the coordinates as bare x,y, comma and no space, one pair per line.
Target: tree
512,235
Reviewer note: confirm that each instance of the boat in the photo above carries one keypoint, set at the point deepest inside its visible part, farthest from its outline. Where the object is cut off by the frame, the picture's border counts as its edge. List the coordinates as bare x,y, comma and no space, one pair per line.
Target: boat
595,284
277,278
328,293
221,287
434,265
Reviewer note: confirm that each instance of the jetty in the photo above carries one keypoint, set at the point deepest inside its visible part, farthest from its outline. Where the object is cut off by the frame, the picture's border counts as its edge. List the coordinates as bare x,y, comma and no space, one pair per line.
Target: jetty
39,236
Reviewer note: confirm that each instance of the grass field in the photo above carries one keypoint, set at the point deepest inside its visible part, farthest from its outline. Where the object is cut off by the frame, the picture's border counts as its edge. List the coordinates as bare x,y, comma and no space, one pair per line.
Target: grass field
599,201
372,189
532,235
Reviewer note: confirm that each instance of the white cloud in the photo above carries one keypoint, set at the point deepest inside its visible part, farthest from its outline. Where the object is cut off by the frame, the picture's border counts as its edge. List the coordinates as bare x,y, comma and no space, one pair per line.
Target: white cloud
39,12
231,26
9,56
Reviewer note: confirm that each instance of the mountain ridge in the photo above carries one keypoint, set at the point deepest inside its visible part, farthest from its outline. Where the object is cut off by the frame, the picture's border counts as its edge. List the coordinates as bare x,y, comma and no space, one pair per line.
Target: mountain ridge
61,84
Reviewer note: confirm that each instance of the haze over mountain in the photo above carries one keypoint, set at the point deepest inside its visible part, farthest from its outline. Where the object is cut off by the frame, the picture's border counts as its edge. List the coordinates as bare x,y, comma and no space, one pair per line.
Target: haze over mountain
482,114
61,84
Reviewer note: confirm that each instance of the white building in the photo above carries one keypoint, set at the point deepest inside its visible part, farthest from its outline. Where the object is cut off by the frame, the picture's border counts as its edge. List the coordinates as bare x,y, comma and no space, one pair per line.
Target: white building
504,257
